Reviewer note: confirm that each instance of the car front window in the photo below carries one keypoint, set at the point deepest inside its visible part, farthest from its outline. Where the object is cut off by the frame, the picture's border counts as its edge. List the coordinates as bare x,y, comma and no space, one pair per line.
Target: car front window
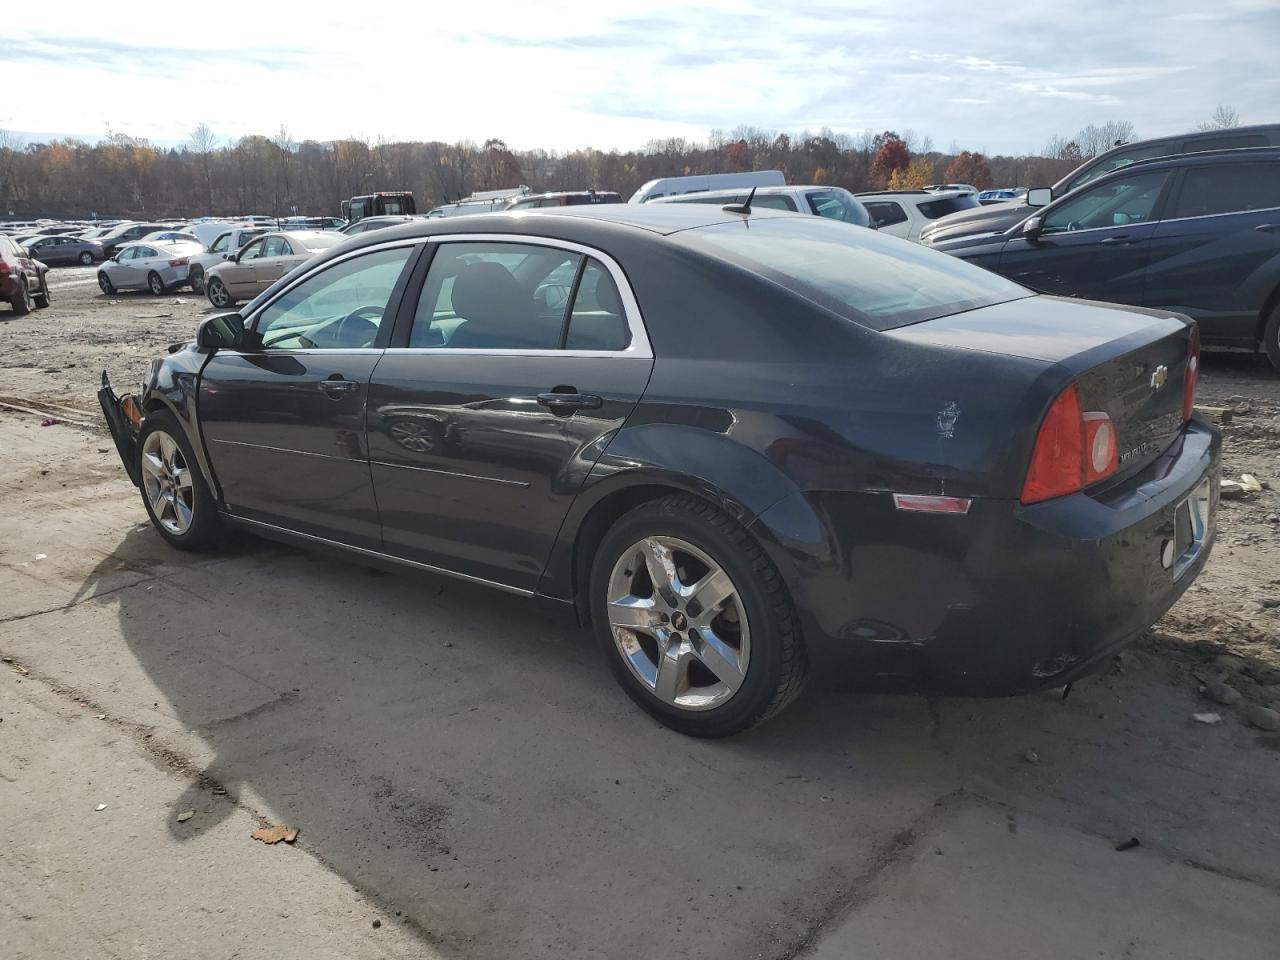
1115,204
873,280
340,307
836,205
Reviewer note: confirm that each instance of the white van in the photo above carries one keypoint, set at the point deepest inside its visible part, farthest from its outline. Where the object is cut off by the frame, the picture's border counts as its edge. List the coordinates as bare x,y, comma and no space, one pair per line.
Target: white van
672,186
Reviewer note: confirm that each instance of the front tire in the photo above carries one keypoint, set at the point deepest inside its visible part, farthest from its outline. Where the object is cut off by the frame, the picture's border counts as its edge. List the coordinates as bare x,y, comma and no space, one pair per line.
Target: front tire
218,294
155,284
694,618
1271,338
21,301
105,284
42,298
174,491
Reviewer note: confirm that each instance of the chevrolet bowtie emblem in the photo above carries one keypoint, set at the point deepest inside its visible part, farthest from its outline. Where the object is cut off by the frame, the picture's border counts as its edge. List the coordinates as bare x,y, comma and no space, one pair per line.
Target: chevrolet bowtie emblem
1158,376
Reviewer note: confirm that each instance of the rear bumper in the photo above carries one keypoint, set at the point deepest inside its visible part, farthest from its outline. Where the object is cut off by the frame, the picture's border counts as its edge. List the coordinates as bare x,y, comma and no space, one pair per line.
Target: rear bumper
1008,598
121,427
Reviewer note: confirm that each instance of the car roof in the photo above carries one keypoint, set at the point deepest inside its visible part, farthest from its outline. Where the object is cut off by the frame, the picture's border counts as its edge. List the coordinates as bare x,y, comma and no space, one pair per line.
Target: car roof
1199,158
735,192
927,196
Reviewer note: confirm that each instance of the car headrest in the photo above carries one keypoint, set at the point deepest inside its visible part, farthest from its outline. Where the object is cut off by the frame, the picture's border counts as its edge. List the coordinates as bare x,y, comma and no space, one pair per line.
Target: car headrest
606,294
484,291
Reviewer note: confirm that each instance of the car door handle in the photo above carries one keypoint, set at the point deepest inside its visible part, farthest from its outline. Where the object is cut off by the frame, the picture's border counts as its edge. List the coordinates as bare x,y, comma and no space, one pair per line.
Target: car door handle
568,402
1267,227
335,387
1115,241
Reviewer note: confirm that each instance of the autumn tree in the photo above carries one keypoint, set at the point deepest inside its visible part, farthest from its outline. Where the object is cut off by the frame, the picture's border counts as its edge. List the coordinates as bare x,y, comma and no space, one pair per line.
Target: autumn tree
891,154
914,176
970,168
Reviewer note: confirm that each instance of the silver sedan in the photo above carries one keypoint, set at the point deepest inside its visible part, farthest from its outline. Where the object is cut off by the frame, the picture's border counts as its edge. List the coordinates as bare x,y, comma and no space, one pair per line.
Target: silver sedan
157,267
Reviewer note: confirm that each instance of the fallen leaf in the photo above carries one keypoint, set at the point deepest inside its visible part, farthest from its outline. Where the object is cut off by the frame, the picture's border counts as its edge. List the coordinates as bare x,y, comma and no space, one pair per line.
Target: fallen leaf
275,834
186,815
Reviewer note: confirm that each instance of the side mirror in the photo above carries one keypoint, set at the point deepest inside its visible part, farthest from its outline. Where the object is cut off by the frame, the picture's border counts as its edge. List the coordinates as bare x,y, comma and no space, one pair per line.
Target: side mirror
1039,197
221,332
1032,226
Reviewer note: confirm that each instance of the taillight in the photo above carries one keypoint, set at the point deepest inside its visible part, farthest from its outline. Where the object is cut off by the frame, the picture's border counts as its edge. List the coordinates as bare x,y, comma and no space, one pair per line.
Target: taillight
4,269
178,263
1073,449
1192,375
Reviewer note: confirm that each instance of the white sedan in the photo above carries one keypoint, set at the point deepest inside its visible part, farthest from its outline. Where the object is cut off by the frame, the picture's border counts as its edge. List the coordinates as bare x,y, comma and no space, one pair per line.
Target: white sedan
157,267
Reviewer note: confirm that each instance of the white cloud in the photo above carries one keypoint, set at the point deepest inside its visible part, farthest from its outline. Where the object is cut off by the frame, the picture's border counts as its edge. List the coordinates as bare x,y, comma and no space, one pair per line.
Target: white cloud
573,73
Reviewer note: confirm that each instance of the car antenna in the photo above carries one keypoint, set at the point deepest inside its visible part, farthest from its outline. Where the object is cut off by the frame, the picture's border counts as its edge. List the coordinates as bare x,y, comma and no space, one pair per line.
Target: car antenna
744,207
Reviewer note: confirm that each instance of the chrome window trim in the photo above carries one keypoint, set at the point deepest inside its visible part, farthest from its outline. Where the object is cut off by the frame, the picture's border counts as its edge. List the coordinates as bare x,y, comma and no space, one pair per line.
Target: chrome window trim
1227,213
417,565
639,345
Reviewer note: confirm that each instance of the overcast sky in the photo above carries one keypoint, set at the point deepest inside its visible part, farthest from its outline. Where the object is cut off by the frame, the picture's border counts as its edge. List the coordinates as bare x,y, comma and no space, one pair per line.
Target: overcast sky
1001,75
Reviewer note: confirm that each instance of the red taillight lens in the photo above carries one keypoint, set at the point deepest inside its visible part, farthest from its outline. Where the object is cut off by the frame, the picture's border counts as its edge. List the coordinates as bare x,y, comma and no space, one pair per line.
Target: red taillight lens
4,269
1192,375
1073,449
178,263
1059,451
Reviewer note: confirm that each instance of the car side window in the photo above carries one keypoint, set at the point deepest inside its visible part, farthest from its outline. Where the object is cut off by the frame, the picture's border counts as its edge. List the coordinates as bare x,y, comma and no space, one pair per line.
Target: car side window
339,308
144,253
252,251
220,245
494,296
885,213
1162,148
274,247
598,321
286,248
1114,204
1230,188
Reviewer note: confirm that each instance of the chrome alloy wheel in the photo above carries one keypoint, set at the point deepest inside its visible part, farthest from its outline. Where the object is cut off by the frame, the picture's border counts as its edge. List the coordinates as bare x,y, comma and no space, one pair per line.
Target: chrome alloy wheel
679,623
166,480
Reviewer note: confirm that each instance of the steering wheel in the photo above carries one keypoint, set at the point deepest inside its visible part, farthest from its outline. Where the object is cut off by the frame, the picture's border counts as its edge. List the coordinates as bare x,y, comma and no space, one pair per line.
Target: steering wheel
301,338
362,314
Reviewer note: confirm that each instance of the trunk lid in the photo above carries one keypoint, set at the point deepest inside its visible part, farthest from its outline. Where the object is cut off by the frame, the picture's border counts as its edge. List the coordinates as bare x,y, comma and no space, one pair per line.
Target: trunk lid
1128,362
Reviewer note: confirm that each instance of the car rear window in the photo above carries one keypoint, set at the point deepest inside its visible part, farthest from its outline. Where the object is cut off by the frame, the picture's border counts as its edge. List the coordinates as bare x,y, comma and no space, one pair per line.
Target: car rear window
874,280
933,209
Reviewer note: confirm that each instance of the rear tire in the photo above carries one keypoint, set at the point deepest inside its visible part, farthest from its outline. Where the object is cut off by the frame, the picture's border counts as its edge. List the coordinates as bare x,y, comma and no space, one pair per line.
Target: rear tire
86,258
174,491
196,279
1271,338
21,301
105,284
734,664
155,284
42,298
218,294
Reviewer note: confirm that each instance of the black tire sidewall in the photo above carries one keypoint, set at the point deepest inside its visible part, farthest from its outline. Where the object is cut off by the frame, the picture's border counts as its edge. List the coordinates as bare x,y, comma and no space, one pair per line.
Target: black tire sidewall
105,285
209,288
668,518
22,301
195,278
152,287
82,259
205,524
1271,338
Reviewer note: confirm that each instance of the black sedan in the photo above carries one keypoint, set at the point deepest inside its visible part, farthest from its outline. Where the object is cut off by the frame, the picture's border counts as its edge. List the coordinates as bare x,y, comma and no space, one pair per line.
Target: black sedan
60,251
746,447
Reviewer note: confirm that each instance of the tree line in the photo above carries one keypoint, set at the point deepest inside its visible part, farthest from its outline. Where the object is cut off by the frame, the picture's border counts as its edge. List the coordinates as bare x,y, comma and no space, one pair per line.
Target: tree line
123,176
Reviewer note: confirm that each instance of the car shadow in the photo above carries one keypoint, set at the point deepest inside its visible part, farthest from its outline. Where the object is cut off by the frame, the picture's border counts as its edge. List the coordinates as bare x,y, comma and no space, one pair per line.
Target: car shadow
468,760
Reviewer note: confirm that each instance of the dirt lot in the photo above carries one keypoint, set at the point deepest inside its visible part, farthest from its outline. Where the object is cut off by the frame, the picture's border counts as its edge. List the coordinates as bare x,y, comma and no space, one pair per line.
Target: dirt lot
465,774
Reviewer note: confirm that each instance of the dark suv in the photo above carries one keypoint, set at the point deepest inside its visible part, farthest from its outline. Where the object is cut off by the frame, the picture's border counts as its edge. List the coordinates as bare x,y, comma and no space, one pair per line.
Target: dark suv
1001,216
22,278
1198,233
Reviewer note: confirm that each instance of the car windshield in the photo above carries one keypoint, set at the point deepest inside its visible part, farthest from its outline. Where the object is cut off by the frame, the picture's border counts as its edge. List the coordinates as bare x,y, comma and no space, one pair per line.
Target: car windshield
877,281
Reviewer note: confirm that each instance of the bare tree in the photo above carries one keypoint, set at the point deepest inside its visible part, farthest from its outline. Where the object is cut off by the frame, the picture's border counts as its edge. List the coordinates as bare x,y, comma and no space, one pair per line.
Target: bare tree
203,142
1224,117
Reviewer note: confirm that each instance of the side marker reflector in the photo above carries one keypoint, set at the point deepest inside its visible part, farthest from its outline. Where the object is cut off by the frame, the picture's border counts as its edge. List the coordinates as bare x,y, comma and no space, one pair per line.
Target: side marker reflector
913,503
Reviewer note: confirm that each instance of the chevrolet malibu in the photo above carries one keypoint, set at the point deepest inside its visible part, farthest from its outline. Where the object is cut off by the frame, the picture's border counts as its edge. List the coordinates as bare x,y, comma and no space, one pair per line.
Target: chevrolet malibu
747,448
